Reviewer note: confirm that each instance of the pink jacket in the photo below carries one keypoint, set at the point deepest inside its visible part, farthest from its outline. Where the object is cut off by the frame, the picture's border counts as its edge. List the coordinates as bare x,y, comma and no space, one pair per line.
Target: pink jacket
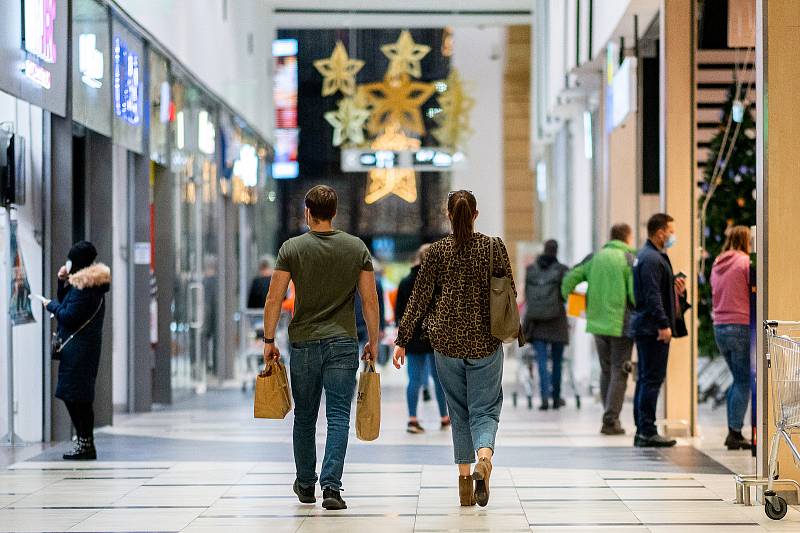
730,288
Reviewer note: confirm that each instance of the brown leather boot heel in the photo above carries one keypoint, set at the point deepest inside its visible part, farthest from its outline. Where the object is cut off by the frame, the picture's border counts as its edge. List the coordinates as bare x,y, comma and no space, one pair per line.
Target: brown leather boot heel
466,491
481,475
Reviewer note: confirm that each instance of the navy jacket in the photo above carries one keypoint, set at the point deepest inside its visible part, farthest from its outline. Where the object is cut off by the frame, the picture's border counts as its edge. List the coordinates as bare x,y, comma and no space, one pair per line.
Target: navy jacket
654,291
77,302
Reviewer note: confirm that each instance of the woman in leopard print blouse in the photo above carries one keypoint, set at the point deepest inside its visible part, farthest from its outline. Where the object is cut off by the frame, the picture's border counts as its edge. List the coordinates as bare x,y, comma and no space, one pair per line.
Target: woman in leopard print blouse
451,297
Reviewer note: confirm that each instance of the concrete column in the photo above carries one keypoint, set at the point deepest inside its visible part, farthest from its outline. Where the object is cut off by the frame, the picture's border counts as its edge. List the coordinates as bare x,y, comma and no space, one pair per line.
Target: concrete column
778,241
678,197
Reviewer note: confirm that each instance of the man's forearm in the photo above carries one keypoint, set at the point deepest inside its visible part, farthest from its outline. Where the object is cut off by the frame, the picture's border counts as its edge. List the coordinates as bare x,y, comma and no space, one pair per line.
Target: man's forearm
272,313
372,318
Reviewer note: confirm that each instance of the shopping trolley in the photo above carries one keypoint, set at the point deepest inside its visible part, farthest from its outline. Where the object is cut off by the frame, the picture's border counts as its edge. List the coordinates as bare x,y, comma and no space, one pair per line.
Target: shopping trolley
783,364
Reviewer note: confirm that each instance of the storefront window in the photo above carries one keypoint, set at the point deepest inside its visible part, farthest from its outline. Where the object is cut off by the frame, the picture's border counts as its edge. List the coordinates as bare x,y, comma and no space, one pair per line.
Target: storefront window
91,66
162,111
127,76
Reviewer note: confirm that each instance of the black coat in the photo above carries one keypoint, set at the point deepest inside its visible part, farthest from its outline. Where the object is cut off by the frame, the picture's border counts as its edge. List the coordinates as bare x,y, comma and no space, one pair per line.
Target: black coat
361,324
77,301
259,290
654,291
419,343
555,328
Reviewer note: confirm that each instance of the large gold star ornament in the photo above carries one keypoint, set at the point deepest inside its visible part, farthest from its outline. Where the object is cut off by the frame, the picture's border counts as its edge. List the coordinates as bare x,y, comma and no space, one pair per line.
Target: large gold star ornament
338,71
454,120
397,100
348,122
405,55
398,181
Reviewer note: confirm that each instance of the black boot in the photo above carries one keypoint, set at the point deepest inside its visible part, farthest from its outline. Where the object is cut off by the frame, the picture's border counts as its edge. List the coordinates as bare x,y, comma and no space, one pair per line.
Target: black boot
84,450
545,406
332,500
736,441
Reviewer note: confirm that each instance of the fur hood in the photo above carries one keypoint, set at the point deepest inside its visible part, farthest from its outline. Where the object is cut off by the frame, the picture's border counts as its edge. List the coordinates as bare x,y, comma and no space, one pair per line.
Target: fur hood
96,275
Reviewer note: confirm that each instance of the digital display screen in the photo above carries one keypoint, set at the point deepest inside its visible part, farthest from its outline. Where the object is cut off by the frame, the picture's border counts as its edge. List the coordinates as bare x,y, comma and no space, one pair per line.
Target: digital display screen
284,94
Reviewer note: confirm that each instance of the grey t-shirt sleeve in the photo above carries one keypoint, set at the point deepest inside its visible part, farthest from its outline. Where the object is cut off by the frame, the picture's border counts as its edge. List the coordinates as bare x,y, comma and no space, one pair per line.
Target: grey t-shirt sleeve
284,261
366,258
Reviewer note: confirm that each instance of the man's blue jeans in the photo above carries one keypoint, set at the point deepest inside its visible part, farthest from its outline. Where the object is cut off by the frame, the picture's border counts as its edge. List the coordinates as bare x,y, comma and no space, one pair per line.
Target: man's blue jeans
474,390
329,365
652,369
733,341
549,382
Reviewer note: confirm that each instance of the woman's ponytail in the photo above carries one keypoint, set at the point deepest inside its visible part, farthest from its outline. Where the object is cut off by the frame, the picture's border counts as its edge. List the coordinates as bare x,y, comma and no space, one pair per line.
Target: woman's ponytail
462,206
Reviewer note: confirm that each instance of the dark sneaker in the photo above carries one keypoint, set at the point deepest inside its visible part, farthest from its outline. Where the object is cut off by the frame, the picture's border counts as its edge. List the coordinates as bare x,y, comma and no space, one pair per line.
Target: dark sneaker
304,494
332,500
83,450
612,429
653,441
545,406
558,403
736,441
414,427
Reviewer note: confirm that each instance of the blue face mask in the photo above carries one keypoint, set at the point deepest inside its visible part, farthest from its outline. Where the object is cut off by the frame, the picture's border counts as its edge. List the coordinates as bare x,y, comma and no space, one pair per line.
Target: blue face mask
671,240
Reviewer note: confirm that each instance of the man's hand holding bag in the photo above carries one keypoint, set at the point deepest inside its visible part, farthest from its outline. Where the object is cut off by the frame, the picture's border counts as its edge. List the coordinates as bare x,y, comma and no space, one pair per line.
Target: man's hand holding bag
272,397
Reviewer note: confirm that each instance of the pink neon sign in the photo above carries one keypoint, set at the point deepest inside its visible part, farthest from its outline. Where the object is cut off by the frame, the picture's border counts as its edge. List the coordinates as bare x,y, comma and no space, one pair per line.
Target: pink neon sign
40,20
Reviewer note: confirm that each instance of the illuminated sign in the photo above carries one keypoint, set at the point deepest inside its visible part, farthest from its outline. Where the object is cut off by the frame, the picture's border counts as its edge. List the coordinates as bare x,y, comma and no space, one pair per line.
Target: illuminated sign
40,76
206,134
423,160
166,102
284,94
40,19
246,167
90,61
126,83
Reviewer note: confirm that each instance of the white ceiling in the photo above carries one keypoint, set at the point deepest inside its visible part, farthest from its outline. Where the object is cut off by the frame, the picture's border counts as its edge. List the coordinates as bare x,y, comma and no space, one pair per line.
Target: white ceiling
399,13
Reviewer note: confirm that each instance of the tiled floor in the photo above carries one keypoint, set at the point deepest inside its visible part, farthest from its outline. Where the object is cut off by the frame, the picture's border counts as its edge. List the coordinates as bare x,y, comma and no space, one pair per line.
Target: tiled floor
206,465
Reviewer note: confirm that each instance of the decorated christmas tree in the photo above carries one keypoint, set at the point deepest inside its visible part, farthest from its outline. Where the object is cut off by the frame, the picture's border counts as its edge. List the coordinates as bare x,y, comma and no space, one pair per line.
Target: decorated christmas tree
728,198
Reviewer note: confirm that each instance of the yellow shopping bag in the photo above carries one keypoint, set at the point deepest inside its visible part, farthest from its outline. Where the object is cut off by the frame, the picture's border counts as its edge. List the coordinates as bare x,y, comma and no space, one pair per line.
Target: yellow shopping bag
576,305
272,396
368,406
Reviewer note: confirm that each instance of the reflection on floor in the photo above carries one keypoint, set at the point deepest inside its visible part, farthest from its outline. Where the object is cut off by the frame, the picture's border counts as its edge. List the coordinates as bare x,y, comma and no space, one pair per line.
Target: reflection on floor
206,465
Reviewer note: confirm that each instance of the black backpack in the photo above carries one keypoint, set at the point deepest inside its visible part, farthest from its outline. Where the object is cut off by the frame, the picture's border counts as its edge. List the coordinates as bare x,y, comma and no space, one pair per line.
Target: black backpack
543,292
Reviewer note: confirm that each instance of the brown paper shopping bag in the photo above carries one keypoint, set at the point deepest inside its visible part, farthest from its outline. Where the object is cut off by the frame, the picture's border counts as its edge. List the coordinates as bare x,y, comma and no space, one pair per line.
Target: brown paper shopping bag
368,407
272,397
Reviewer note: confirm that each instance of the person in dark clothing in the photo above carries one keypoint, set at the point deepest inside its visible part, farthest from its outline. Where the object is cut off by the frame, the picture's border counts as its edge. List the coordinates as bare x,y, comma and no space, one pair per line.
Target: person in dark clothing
656,290
361,324
546,321
421,362
260,286
79,311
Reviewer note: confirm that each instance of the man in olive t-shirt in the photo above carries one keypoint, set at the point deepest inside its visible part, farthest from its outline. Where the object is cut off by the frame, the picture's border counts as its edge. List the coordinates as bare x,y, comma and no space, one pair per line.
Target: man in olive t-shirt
327,266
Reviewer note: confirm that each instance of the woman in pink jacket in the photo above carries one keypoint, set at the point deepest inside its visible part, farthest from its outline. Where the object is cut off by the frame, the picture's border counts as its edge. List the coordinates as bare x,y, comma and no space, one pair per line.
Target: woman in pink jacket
730,288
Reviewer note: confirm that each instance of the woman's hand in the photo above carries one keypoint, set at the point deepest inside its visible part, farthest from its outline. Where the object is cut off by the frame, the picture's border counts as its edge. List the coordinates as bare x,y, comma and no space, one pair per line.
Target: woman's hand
399,357
63,273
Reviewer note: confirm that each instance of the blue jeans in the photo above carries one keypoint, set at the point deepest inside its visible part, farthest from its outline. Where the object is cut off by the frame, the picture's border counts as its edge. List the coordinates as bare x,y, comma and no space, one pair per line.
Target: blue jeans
652,370
419,366
733,341
474,390
549,382
329,364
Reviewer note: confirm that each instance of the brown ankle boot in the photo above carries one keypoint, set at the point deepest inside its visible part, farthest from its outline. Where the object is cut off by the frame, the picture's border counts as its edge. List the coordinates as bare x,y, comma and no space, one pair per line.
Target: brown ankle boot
481,475
466,491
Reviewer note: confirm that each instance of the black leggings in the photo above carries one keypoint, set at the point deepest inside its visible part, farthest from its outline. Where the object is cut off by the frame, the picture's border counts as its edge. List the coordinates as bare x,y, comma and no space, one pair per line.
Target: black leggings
82,415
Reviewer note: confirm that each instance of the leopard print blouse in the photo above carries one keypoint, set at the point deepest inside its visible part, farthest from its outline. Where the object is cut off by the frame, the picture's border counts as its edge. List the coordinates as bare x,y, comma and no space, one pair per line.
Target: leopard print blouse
451,296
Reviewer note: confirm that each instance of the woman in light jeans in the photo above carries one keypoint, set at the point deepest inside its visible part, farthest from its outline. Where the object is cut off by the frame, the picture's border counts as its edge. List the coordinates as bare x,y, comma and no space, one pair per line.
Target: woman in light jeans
730,288
451,300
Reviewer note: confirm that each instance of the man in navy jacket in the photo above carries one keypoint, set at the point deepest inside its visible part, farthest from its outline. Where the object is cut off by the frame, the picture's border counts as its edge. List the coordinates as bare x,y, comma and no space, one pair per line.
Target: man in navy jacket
655,288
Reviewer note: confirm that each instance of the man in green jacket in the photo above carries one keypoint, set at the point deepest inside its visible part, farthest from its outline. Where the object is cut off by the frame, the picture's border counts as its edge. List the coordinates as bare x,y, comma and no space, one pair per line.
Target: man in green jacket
609,300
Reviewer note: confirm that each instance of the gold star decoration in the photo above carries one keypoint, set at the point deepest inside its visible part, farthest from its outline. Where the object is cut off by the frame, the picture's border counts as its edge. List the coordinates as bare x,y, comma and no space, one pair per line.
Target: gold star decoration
399,181
338,71
454,119
397,99
348,122
405,55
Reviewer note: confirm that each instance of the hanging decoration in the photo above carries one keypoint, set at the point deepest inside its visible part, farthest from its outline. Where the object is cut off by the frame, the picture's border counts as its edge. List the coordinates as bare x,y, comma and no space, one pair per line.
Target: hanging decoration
397,99
339,71
348,122
453,121
405,56
401,182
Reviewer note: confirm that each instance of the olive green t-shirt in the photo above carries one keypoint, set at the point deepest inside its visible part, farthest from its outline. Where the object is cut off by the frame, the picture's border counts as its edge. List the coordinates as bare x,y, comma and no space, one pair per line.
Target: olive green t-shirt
325,267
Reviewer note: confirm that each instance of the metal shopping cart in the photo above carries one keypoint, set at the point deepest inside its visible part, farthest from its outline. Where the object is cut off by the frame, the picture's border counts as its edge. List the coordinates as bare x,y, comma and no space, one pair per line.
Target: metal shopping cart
783,363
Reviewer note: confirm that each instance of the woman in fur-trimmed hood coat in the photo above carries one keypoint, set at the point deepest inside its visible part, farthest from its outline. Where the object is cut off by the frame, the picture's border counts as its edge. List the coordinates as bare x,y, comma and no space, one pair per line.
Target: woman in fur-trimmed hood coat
80,296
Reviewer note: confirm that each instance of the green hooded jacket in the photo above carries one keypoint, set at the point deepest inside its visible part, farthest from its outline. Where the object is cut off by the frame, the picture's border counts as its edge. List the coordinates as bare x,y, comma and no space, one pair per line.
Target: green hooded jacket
609,298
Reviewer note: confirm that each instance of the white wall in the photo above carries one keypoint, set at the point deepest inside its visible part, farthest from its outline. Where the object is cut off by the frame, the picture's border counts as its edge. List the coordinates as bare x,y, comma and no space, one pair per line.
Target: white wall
119,289
28,363
216,50
479,56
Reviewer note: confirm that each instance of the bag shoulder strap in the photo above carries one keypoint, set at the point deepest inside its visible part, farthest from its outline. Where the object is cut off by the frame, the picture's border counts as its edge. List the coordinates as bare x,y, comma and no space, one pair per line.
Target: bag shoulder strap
102,301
